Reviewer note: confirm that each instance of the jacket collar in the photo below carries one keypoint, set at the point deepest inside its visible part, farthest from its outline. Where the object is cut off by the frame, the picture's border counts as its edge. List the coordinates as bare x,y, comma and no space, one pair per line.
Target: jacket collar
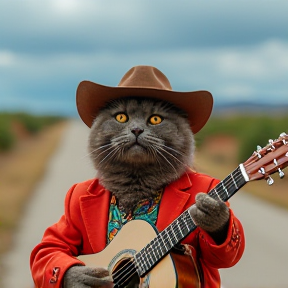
183,183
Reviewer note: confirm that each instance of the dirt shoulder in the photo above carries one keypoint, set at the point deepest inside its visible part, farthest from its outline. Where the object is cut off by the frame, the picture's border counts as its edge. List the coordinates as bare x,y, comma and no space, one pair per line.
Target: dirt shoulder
20,170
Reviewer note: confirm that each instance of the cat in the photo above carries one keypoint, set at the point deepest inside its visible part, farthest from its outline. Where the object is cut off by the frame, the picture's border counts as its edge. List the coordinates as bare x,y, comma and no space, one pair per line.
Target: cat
138,146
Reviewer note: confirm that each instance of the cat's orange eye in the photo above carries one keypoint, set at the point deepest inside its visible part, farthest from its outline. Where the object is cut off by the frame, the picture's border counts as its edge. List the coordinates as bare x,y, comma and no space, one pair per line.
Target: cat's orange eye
121,117
155,119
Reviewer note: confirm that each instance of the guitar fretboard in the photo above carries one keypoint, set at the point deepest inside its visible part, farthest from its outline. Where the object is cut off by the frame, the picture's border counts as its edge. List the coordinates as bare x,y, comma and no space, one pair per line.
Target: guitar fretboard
153,252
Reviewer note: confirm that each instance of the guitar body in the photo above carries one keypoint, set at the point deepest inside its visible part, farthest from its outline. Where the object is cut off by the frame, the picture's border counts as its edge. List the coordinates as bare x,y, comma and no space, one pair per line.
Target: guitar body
174,270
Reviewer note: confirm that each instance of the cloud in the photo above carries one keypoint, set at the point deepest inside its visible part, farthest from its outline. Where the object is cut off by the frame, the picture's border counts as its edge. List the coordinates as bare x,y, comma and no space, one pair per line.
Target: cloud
230,74
234,50
6,58
90,26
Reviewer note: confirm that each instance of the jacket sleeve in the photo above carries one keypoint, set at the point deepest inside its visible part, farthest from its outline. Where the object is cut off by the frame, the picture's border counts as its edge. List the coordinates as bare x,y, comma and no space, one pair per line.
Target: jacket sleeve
56,253
230,251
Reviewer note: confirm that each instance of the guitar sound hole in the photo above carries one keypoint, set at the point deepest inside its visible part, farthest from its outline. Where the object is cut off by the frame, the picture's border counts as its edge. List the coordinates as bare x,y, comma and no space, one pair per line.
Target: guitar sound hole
124,275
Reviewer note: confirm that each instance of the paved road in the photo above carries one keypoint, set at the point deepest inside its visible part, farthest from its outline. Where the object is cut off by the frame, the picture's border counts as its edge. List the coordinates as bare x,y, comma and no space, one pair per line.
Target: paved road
69,165
265,261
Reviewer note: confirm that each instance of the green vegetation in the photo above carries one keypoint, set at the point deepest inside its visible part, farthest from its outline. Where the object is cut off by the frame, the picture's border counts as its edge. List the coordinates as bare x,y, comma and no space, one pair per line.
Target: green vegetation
13,125
250,131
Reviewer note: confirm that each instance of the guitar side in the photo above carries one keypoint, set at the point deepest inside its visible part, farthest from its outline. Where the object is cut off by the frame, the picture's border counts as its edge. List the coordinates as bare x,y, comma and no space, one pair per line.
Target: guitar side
131,239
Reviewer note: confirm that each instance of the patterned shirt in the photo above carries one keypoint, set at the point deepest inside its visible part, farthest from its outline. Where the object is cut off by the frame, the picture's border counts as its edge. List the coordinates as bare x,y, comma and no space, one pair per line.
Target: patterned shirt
145,210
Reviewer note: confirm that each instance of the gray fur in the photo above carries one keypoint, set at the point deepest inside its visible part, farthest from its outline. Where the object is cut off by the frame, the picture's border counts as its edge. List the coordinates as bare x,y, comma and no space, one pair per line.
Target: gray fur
135,172
211,215
85,277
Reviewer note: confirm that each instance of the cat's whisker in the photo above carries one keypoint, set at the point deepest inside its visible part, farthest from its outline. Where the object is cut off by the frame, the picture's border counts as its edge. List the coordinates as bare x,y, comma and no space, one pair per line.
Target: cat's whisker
176,151
154,153
174,157
154,141
119,137
116,148
105,151
93,151
113,155
184,164
156,148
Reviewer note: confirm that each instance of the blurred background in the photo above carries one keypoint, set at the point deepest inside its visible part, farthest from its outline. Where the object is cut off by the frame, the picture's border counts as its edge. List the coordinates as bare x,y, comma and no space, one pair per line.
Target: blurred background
236,50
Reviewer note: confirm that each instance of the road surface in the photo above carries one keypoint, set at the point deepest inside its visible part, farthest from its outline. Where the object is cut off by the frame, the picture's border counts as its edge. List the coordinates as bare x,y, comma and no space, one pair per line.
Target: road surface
265,261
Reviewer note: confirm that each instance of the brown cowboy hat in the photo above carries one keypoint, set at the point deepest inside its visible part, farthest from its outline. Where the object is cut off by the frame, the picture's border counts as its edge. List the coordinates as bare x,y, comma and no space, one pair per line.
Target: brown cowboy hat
143,81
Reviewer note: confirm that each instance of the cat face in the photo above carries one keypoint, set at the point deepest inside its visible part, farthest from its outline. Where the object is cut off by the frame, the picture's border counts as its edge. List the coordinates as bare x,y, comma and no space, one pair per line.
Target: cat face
139,133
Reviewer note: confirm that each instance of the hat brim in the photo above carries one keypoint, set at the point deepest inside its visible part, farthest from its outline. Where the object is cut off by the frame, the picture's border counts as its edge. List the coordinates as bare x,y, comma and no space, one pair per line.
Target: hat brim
91,97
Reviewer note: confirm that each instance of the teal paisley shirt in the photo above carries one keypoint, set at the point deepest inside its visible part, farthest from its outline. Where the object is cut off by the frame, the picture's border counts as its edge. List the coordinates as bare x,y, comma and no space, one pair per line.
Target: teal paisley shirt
146,210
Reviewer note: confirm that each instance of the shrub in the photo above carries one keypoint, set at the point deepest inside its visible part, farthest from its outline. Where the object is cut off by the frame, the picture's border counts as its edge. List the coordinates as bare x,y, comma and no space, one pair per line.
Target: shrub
249,130
31,123
6,137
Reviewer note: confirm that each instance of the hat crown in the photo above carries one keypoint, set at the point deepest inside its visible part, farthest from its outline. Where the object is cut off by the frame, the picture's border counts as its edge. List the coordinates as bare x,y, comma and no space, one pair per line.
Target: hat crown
145,77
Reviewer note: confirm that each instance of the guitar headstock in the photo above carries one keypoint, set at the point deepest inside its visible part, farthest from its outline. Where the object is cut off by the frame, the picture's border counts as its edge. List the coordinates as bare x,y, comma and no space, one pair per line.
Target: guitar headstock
268,160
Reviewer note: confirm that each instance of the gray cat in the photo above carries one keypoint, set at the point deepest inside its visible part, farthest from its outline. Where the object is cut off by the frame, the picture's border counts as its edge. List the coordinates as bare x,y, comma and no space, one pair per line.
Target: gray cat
138,146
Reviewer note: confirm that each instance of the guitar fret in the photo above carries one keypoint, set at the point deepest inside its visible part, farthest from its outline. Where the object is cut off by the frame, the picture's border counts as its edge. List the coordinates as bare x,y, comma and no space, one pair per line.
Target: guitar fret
186,223
235,184
215,190
225,189
150,251
169,239
162,239
175,236
156,258
178,226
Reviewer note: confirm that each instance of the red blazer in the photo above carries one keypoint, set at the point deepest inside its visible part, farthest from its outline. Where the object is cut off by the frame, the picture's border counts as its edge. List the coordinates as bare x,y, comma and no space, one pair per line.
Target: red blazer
83,230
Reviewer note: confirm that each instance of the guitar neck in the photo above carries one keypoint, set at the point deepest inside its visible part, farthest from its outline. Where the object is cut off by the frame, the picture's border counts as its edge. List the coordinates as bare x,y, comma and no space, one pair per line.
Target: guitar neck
152,253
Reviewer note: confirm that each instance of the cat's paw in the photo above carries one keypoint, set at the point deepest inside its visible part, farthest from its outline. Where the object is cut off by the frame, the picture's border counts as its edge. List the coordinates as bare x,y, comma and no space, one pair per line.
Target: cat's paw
83,277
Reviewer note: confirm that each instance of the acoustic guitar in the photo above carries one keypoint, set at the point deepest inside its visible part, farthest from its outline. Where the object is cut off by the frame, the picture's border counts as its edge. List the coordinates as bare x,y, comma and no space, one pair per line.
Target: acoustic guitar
140,256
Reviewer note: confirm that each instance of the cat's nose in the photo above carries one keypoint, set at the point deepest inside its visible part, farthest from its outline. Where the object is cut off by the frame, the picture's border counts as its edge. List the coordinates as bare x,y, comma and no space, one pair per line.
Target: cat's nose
137,131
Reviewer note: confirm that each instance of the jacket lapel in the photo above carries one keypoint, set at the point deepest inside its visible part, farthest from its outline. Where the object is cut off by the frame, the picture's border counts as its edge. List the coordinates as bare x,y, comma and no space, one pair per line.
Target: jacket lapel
173,201
95,210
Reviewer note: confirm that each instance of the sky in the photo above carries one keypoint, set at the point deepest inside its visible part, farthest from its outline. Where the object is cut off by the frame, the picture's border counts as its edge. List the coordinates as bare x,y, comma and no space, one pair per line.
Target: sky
237,50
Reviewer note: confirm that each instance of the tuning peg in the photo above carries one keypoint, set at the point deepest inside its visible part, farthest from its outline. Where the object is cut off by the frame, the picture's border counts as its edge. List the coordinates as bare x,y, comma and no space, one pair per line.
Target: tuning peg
262,171
284,135
271,144
281,173
270,180
259,148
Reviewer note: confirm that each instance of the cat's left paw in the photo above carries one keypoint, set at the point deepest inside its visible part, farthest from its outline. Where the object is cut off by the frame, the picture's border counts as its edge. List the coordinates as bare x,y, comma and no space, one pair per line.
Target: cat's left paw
209,214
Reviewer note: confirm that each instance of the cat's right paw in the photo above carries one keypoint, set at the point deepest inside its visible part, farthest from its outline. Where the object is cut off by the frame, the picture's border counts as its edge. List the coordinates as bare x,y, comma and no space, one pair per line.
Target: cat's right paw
84,277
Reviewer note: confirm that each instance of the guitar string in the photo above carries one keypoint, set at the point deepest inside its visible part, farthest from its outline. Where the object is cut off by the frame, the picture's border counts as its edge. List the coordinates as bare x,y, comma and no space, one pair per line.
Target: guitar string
166,236
236,177
132,268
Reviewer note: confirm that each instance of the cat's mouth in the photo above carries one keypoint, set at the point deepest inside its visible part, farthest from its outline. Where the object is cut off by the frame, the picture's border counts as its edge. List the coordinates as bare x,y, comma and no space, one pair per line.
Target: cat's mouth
137,146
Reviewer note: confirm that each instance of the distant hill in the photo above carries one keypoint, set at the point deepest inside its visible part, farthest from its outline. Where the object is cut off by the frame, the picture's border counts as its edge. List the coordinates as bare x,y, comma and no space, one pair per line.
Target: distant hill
250,108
